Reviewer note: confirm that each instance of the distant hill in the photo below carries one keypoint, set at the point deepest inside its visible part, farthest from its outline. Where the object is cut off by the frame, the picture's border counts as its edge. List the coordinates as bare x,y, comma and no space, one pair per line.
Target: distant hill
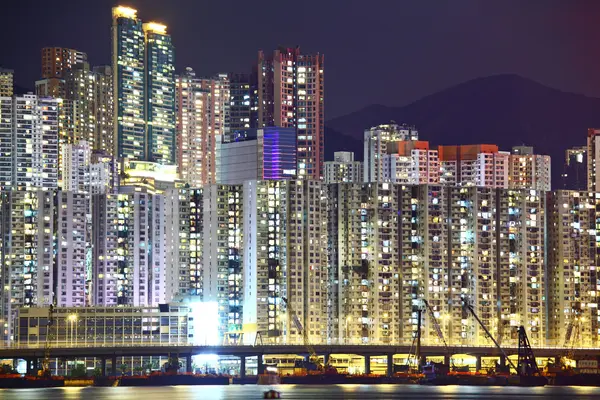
507,110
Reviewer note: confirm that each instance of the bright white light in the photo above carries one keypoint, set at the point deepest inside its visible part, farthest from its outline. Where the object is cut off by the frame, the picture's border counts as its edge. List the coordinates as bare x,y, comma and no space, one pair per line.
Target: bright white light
206,323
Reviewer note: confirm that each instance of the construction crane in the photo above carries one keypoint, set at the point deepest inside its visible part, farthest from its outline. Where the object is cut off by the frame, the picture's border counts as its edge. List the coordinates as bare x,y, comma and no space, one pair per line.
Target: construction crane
570,338
312,355
489,335
45,370
436,325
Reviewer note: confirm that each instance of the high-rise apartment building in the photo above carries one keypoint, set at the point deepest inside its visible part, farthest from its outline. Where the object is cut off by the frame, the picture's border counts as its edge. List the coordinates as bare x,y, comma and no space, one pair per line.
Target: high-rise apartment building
104,109
56,61
6,82
452,244
284,255
72,242
201,108
411,162
160,94
6,142
343,168
574,174
80,90
176,245
144,88
222,277
527,170
129,84
26,253
196,199
243,101
128,229
267,153
104,173
29,145
473,165
593,159
573,285
105,259
376,140
76,167
291,94
363,263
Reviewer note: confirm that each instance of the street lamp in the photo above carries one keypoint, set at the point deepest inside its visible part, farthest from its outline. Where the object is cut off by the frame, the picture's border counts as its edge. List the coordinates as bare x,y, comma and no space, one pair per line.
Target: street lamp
72,320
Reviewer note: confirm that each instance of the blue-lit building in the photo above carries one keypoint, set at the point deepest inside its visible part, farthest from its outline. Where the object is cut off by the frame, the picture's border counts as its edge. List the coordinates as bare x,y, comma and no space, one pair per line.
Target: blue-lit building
269,153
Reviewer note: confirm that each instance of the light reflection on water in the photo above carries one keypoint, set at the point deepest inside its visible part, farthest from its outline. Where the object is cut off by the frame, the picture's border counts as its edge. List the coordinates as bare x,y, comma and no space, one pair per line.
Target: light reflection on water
312,392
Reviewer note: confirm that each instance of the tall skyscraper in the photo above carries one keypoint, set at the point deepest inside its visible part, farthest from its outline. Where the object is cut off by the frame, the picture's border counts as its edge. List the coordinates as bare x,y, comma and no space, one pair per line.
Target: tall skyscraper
160,94
6,82
144,87
29,149
202,109
291,94
104,109
129,84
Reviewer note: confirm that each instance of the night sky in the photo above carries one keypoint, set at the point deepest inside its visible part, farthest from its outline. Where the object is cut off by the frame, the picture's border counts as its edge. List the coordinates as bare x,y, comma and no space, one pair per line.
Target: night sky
376,51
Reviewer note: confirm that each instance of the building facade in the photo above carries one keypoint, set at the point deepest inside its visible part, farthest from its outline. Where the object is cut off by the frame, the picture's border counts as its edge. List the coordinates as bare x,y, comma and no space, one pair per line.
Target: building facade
160,94
574,176
202,111
343,168
291,94
411,162
29,149
72,243
572,267
267,153
26,253
527,170
105,326
6,82
376,141
129,84
473,165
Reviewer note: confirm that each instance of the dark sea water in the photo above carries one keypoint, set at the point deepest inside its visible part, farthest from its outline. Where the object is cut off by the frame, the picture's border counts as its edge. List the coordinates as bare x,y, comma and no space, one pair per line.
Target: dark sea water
249,392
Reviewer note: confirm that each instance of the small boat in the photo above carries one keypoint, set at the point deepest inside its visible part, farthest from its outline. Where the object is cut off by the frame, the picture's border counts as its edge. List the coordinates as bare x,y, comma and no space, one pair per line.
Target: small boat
272,394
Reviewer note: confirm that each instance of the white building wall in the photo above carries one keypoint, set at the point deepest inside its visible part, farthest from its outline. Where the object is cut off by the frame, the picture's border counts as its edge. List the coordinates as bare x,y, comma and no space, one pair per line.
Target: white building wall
71,248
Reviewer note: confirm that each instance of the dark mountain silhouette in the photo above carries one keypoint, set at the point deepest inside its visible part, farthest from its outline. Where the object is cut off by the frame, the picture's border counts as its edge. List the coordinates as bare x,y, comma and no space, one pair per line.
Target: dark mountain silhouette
507,110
